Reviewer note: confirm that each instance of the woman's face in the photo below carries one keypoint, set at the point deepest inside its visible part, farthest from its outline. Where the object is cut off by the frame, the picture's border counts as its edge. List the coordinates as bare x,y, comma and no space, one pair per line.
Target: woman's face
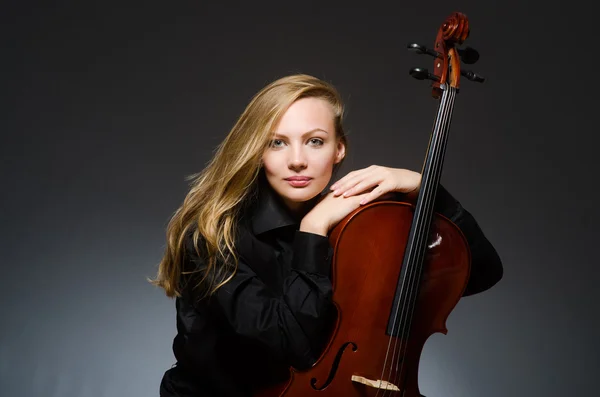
299,161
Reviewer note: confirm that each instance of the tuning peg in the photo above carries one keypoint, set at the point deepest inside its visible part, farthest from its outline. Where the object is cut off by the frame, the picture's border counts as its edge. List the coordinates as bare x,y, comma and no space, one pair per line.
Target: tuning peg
421,49
472,76
468,55
422,74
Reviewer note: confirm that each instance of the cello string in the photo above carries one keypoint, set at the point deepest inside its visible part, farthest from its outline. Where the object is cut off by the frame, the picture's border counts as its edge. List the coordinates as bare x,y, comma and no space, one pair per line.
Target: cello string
436,170
423,233
402,300
407,274
421,236
410,263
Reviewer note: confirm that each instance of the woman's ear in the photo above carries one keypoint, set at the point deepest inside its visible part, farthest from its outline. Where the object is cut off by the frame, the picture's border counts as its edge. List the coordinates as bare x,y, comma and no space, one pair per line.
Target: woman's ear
340,151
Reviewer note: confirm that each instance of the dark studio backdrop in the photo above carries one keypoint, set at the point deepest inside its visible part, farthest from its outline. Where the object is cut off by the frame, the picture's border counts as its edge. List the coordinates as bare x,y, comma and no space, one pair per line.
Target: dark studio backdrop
108,106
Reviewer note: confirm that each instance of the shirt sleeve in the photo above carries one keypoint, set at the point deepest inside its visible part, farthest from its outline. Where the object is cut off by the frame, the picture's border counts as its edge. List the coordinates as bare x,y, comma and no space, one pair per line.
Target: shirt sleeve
290,324
486,265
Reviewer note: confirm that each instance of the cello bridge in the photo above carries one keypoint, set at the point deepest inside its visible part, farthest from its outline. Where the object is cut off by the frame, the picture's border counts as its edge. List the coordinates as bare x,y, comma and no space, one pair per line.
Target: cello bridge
378,384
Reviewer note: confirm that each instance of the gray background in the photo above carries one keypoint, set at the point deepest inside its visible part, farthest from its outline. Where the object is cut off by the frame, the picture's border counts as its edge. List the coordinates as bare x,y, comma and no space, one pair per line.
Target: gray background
108,106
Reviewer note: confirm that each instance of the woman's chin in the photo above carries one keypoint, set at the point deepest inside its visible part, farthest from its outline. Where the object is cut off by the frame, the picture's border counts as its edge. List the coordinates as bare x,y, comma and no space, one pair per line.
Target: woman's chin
299,196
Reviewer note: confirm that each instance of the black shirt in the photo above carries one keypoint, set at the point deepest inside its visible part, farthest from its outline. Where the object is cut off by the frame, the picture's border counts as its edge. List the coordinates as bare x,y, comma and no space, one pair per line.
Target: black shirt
274,312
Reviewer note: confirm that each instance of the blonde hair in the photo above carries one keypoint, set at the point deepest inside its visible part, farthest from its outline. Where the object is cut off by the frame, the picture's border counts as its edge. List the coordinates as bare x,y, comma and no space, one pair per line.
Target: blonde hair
217,193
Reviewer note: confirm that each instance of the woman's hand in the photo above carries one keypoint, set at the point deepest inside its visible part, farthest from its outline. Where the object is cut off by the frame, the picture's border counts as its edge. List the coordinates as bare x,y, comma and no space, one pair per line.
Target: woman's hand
379,180
328,212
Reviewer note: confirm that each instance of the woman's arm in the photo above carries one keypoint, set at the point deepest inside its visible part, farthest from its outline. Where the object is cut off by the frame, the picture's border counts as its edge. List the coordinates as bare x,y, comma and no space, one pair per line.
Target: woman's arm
486,265
290,325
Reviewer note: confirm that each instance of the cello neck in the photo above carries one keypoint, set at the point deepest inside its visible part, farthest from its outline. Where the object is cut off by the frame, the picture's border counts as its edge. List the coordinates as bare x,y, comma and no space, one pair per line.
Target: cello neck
430,178
418,238
434,158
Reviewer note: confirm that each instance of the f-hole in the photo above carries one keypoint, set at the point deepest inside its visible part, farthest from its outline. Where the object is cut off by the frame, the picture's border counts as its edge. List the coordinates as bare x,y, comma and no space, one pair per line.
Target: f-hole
334,366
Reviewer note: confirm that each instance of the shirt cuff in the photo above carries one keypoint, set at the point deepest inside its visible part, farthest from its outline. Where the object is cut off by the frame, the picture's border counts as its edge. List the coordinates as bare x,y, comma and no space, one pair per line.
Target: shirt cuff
312,253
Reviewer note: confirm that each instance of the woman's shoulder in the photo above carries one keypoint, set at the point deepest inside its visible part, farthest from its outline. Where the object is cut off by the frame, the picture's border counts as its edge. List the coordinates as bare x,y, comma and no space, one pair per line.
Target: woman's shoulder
193,249
194,242
194,264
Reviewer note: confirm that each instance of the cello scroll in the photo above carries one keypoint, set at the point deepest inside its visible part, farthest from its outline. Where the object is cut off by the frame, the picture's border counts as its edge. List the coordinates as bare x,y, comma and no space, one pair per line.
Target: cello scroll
446,69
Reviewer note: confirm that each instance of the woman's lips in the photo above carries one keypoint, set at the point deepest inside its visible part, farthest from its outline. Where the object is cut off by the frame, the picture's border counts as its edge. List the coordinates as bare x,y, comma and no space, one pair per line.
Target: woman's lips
297,181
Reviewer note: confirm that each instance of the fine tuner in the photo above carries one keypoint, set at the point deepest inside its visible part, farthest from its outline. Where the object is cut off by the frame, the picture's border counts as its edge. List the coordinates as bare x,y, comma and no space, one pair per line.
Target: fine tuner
468,55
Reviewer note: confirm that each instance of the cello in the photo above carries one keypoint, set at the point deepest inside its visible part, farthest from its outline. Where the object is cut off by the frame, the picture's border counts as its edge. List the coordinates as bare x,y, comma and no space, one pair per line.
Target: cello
398,268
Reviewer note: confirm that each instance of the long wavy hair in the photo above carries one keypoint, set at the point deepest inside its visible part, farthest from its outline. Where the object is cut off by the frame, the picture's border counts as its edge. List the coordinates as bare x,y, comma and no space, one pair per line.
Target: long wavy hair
217,194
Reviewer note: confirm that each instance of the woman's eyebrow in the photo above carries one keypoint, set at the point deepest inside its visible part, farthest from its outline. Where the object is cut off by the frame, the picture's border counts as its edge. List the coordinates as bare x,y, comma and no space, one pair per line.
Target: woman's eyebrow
279,134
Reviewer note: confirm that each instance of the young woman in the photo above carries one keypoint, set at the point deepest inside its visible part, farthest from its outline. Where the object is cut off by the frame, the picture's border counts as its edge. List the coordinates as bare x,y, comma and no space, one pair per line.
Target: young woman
248,258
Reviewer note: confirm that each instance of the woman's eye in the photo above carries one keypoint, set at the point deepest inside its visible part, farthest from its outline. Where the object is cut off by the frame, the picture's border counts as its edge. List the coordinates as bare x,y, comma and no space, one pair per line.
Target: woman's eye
276,143
316,141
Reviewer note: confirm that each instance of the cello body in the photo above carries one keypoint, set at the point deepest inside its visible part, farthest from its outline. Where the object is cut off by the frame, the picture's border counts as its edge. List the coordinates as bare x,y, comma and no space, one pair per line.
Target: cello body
365,270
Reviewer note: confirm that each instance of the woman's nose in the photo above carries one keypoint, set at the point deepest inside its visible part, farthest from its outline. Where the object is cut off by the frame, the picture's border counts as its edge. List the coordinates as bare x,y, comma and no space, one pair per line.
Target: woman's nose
297,160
